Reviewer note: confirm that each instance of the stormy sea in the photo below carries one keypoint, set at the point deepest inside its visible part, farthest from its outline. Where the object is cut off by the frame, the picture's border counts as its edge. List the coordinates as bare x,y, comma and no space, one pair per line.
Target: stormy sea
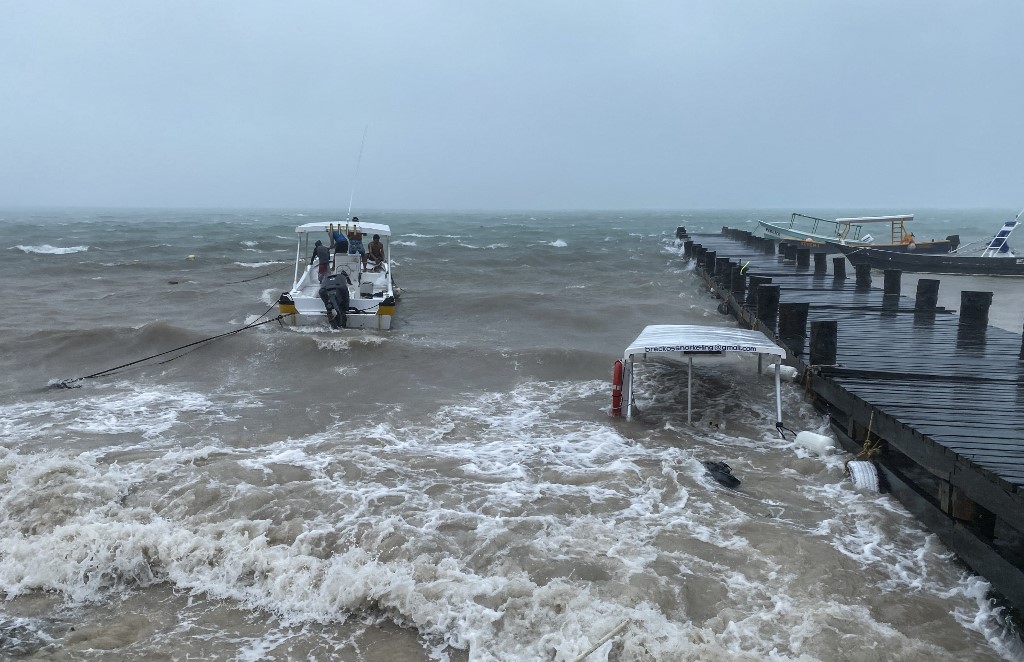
453,489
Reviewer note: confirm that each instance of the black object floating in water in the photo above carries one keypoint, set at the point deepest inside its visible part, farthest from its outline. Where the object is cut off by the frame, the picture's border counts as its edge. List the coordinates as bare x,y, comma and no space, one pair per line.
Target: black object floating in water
722,472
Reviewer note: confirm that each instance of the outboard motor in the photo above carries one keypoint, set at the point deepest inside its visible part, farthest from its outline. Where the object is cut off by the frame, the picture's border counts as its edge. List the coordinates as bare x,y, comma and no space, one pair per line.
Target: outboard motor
954,242
334,294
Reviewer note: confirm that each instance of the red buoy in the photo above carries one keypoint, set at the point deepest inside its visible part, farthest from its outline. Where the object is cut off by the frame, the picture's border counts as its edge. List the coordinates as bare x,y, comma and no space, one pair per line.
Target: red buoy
617,389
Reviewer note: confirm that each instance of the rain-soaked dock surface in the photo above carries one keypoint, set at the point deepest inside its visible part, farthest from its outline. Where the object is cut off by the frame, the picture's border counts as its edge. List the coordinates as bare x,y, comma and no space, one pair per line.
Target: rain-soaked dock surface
943,393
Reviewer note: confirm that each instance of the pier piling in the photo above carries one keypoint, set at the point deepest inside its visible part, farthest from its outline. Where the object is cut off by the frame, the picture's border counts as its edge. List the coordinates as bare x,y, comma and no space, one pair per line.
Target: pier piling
927,294
803,257
863,276
839,268
891,282
768,305
709,261
824,342
793,325
974,307
738,281
820,264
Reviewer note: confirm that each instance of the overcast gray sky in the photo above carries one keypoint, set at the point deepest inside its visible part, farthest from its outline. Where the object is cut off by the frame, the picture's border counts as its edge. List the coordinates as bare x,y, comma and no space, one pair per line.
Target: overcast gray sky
512,105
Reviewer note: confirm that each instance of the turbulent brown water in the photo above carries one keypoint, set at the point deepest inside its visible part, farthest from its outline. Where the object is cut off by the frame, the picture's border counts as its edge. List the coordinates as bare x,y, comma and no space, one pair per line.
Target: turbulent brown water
453,489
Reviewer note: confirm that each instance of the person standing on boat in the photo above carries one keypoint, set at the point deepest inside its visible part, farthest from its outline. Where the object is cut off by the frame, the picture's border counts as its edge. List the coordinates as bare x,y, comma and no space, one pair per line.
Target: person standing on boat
339,242
355,240
322,253
334,294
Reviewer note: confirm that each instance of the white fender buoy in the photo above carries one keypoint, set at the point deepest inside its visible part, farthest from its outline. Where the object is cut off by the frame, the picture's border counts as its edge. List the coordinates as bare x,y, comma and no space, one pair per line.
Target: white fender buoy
818,444
785,371
864,475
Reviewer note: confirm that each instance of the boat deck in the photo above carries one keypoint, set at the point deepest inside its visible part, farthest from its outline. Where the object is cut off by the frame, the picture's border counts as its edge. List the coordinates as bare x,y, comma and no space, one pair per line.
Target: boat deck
943,393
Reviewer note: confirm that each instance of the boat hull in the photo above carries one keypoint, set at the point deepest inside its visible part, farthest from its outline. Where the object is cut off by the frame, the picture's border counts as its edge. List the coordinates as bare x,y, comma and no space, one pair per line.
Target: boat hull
949,263
302,306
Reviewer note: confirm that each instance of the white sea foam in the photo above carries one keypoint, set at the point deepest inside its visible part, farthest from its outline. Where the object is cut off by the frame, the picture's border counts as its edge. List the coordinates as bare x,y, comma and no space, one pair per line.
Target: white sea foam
47,249
259,264
543,532
271,294
126,408
346,370
558,243
250,243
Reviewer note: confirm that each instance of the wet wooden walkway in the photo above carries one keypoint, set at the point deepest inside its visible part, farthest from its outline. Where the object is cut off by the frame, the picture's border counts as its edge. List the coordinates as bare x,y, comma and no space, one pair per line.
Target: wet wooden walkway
944,393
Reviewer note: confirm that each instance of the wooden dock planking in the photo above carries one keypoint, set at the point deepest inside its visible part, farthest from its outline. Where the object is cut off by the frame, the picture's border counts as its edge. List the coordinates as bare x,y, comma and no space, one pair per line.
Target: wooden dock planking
947,396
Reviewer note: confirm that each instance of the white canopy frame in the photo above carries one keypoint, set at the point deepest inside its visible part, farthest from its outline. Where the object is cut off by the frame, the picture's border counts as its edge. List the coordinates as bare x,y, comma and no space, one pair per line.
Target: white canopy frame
319,228
684,340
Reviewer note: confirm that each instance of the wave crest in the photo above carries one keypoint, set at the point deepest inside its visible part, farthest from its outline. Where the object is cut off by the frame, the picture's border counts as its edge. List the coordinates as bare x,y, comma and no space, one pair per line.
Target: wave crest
47,249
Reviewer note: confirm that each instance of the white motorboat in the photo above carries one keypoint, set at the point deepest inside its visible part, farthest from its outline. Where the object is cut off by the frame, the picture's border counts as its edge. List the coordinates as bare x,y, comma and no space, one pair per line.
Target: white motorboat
372,297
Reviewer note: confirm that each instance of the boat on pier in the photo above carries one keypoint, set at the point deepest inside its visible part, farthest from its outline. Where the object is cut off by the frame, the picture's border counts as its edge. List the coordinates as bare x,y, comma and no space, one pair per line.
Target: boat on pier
996,259
851,232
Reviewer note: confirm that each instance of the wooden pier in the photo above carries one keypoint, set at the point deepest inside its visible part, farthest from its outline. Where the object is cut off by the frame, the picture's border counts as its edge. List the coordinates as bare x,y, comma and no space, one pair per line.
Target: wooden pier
938,397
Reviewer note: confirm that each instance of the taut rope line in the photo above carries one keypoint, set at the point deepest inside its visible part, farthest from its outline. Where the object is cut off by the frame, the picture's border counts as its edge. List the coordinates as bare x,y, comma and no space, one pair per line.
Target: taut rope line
73,383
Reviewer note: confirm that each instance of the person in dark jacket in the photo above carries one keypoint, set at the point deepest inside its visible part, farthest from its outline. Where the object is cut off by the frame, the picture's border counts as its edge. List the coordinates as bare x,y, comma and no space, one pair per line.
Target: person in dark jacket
334,294
322,253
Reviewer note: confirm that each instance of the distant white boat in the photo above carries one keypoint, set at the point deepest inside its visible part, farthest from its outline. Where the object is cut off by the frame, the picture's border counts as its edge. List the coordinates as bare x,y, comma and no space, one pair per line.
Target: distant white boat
372,297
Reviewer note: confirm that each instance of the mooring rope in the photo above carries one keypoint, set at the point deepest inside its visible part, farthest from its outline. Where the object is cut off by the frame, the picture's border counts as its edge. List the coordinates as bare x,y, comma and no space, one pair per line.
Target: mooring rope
269,273
74,382
246,280
870,449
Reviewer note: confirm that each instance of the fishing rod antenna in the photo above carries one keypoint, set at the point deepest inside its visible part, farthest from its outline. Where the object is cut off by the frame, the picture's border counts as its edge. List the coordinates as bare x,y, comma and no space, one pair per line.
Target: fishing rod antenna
355,178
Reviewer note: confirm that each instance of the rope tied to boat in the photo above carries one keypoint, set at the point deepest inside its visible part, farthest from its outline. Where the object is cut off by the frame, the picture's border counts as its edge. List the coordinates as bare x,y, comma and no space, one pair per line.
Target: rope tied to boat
75,382
249,280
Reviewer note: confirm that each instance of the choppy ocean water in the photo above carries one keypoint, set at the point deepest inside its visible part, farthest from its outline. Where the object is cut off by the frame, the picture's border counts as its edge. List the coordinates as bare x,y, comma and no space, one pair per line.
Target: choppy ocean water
453,489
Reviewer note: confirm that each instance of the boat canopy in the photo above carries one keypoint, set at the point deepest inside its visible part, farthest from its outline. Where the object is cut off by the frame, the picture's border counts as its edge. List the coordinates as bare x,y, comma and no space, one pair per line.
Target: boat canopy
686,340
898,218
695,339
323,226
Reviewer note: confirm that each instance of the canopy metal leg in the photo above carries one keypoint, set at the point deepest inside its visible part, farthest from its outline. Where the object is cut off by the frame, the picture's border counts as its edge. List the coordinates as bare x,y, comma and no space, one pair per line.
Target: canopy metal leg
689,390
628,378
778,393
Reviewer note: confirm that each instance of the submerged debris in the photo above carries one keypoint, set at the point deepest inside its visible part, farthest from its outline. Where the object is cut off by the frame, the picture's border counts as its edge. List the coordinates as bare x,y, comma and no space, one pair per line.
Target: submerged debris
722,472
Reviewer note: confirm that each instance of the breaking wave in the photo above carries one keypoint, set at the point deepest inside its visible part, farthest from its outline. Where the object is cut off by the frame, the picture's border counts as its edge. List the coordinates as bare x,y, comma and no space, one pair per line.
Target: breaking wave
47,249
